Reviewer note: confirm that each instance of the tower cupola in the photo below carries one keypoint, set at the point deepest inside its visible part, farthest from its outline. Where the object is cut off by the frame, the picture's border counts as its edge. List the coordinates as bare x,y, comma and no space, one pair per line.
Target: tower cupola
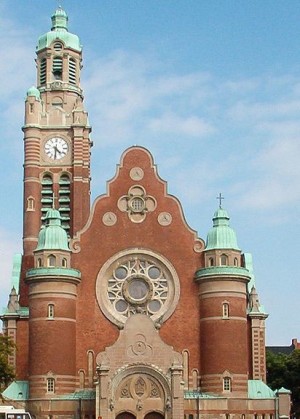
52,236
59,20
52,250
59,32
221,236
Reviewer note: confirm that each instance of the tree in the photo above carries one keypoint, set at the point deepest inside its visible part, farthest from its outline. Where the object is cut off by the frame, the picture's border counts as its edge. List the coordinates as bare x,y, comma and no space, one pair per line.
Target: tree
283,370
7,348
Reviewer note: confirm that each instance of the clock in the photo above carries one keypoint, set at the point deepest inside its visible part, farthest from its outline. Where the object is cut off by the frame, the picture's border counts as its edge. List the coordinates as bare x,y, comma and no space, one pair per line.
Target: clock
56,148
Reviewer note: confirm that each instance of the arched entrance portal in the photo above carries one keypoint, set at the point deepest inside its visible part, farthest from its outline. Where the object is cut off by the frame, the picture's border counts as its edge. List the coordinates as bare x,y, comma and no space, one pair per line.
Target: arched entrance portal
154,415
125,415
140,396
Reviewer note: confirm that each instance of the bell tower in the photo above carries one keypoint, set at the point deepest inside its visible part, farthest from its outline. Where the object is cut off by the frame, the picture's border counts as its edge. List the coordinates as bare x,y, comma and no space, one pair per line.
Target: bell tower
56,136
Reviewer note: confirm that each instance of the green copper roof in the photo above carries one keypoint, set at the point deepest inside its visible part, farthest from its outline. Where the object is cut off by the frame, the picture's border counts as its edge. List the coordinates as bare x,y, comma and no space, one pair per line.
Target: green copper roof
53,271
33,91
221,236
222,270
257,389
52,235
59,31
17,390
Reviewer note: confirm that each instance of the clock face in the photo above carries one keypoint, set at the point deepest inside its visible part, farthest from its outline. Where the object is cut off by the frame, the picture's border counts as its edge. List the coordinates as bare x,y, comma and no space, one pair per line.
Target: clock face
56,148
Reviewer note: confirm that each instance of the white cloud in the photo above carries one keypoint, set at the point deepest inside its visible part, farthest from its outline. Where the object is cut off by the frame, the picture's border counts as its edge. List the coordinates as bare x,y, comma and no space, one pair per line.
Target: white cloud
189,125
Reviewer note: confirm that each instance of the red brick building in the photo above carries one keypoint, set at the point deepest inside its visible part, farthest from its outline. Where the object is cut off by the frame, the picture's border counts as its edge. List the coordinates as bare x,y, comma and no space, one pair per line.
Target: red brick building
120,310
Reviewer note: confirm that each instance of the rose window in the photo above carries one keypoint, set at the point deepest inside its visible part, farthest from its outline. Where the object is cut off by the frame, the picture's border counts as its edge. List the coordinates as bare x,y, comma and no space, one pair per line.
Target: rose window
137,283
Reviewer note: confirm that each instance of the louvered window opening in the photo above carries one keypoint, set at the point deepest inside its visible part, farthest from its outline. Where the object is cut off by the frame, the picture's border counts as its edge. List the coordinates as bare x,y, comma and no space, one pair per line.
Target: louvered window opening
72,71
57,68
57,46
43,71
65,201
46,196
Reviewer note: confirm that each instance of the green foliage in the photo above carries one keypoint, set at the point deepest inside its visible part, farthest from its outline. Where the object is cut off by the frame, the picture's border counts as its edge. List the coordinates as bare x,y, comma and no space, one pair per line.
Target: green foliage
283,370
7,348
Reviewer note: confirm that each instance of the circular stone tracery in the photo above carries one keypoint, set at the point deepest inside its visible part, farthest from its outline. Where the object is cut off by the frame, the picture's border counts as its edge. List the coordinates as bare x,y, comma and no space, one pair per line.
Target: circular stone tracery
137,282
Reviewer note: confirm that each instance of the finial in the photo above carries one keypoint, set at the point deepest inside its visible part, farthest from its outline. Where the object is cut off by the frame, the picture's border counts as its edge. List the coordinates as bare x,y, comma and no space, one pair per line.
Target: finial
220,197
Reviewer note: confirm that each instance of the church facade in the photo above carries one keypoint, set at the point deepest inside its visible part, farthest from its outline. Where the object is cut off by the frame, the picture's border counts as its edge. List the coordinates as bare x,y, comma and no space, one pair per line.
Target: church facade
120,310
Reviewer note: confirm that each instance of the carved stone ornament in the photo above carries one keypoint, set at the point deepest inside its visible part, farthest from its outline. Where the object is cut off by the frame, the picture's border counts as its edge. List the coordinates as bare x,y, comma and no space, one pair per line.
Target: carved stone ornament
109,219
136,173
164,218
198,246
137,203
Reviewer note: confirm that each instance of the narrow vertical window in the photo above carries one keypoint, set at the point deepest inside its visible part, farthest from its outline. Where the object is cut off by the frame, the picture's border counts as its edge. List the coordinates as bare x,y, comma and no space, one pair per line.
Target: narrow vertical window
72,71
236,262
43,71
50,311
225,308
64,263
51,261
47,195
64,201
50,385
227,384
30,203
211,262
224,260
57,68
39,263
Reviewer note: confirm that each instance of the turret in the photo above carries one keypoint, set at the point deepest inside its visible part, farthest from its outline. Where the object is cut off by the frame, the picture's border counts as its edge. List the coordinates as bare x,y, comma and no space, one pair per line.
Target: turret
52,307
223,301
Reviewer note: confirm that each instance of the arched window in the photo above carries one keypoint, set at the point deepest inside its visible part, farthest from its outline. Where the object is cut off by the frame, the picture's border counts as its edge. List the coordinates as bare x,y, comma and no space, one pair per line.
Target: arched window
224,260
39,263
81,379
225,310
236,263
185,358
51,261
72,71
211,262
30,203
57,68
226,384
64,263
43,71
50,311
57,101
50,385
58,46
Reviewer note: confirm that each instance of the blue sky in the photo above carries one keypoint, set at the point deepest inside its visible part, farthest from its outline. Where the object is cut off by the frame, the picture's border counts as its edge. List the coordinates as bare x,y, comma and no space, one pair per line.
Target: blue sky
212,88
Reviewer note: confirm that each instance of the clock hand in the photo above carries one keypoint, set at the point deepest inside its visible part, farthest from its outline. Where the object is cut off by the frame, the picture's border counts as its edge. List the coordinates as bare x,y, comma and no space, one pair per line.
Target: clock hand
55,151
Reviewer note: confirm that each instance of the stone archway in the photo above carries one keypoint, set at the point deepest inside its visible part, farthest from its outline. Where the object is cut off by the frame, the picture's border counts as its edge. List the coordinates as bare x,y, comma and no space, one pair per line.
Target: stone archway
125,415
154,415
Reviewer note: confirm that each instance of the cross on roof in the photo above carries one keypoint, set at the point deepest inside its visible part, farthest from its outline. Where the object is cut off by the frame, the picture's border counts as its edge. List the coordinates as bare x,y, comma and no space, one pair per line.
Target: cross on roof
220,197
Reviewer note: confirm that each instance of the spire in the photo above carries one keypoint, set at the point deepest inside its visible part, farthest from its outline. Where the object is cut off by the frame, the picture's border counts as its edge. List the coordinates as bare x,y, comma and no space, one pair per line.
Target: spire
59,20
221,236
52,235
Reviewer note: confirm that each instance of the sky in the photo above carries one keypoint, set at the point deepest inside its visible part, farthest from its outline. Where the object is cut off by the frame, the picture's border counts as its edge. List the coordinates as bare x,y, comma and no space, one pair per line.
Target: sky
210,87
